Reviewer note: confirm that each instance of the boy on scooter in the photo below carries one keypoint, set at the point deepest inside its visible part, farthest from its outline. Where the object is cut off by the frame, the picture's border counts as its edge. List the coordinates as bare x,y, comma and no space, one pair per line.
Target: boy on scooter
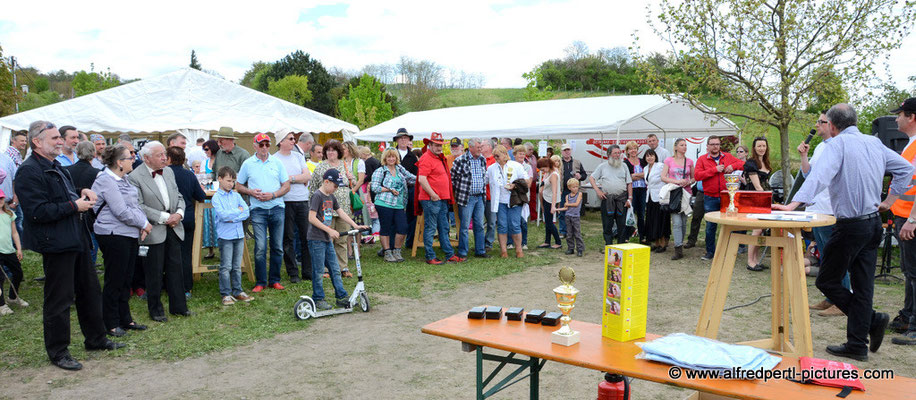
320,238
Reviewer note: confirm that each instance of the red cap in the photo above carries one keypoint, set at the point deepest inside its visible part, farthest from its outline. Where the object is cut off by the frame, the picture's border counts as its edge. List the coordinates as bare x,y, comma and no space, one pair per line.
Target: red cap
261,137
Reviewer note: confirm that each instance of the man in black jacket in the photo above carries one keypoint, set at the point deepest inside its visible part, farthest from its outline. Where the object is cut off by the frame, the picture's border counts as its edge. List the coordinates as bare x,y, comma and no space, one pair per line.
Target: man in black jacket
54,227
83,174
403,141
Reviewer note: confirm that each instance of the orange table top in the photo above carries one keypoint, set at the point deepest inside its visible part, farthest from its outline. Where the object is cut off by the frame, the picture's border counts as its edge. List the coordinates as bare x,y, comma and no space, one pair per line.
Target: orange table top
602,354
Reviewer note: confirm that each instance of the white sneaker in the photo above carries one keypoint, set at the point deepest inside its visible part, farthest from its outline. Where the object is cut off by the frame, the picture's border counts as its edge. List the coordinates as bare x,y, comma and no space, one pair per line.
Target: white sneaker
525,247
228,300
511,246
5,310
18,301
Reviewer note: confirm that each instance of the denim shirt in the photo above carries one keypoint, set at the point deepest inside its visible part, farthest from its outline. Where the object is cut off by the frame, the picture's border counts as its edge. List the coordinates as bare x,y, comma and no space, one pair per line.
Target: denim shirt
119,204
228,215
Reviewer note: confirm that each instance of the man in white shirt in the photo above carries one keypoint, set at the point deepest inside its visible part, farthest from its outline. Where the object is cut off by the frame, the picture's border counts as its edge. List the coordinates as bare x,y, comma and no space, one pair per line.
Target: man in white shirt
652,141
296,208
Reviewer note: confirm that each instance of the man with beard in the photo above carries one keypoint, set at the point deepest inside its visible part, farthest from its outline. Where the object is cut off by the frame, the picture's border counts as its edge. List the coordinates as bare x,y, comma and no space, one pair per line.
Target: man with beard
711,170
614,186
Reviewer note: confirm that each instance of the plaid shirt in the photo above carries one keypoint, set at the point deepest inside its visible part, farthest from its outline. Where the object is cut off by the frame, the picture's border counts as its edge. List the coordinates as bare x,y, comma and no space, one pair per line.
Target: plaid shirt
382,178
467,180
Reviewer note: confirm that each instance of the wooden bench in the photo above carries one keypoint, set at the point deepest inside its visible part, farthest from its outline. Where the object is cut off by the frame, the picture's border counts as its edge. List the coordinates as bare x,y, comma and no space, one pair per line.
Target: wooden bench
602,354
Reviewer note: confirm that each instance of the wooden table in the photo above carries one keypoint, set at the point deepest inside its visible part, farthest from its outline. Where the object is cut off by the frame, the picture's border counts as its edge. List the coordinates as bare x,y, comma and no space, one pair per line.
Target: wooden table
197,265
787,275
602,354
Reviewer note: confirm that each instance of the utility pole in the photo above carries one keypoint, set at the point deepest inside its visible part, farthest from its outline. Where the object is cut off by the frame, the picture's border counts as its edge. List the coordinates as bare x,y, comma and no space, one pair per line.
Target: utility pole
13,63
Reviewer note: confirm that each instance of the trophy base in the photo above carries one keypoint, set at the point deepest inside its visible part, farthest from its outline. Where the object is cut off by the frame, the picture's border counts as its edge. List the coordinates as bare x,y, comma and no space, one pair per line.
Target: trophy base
565,340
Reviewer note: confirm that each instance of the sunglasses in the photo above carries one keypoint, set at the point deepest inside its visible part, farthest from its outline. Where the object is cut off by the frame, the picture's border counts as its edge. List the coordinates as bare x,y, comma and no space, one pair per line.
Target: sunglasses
48,126
821,122
265,143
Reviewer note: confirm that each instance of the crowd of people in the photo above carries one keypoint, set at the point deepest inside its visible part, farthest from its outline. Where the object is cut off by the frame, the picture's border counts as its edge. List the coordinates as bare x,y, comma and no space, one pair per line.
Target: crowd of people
74,194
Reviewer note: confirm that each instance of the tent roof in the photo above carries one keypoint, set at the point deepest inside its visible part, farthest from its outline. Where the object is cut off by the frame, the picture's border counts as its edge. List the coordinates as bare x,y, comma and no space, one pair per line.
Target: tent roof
582,118
182,99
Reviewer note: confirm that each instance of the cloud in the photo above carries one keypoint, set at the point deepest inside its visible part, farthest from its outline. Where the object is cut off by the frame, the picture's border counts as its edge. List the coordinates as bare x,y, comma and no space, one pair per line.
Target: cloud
501,39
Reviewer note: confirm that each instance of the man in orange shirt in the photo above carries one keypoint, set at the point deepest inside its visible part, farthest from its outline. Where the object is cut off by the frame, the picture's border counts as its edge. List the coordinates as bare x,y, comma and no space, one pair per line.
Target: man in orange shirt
905,223
434,183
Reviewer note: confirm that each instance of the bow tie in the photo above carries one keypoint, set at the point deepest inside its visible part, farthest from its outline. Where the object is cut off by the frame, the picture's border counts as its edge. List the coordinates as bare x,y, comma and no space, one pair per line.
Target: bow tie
157,172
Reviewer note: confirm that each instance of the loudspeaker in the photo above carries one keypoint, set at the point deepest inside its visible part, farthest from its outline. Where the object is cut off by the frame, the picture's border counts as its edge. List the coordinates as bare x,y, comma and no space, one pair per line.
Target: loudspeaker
885,129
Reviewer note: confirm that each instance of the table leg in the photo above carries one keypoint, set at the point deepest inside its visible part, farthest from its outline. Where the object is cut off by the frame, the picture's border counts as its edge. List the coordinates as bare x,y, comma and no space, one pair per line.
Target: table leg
534,393
797,297
777,300
196,241
480,373
720,273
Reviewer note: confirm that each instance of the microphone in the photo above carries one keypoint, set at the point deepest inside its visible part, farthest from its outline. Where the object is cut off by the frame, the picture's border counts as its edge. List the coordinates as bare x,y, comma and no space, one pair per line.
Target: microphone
810,136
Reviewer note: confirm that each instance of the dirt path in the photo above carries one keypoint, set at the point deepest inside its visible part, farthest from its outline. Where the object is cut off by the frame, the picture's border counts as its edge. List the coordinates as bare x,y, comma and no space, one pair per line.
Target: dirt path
383,355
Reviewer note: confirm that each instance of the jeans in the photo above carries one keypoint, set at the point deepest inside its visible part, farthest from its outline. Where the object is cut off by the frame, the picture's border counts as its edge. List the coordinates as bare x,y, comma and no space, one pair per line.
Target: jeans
908,265
852,247
697,218
266,222
508,220
435,216
230,266
19,216
679,228
561,216
549,227
711,204
490,218
323,254
523,224
609,218
821,236
639,208
472,212
296,217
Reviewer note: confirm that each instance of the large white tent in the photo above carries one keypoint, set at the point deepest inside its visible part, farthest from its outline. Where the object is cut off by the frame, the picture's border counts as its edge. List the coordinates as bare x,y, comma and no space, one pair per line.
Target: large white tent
185,100
612,117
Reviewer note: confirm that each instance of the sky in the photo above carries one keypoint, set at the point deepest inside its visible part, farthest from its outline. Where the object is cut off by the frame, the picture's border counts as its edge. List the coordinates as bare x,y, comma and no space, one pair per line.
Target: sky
501,39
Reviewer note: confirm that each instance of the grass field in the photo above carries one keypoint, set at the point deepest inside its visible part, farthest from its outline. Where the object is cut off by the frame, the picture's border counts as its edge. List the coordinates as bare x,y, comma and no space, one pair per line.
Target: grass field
216,327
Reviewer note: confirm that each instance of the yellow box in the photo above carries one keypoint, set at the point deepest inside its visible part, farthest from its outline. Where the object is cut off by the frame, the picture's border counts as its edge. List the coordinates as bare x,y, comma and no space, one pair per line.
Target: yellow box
626,292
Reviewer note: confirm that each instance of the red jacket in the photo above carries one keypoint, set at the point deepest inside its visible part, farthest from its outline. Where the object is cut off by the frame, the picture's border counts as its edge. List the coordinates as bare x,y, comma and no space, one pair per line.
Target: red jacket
713,180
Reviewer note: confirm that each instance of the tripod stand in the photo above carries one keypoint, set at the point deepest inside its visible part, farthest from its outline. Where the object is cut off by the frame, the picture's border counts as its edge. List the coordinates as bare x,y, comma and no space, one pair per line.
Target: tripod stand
885,272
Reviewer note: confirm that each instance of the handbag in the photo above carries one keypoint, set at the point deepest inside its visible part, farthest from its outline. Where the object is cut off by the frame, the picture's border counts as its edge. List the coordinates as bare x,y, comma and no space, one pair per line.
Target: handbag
355,202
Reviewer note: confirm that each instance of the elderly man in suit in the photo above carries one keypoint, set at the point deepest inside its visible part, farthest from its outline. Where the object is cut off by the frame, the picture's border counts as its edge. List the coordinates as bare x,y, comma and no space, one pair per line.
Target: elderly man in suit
164,208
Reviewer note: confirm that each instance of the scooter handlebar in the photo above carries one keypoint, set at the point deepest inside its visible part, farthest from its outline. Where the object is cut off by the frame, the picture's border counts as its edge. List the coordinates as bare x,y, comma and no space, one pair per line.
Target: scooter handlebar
351,232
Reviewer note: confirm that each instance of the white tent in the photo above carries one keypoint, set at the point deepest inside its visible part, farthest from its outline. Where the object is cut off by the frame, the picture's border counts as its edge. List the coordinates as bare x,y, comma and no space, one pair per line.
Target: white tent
620,117
185,100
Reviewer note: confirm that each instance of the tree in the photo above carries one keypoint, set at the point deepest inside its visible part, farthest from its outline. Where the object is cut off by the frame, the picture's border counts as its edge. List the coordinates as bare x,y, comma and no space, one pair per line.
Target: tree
772,54
421,79
292,88
194,63
248,79
365,105
828,92
9,95
319,80
90,82
34,100
532,91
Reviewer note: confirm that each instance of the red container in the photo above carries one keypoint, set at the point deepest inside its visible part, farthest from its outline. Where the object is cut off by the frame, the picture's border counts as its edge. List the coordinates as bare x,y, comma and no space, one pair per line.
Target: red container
749,201
614,387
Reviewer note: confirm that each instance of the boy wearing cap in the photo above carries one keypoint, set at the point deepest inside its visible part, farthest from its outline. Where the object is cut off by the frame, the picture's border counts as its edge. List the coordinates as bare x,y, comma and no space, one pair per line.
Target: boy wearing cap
322,205
264,178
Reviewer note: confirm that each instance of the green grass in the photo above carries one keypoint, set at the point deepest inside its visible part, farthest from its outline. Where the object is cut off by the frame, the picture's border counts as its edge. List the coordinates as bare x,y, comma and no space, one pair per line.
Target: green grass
215,327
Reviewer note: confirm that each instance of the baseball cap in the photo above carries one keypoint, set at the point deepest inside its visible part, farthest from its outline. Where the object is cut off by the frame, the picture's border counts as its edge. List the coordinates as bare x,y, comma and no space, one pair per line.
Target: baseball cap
334,176
566,146
456,142
908,105
261,137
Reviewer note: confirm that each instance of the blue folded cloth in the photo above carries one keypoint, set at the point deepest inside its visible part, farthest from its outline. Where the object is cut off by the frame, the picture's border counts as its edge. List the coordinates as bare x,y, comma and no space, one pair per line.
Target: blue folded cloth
694,352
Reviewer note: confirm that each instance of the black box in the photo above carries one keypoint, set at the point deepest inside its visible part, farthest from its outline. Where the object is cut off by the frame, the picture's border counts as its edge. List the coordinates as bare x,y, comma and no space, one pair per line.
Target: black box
476,312
514,313
494,312
534,316
551,319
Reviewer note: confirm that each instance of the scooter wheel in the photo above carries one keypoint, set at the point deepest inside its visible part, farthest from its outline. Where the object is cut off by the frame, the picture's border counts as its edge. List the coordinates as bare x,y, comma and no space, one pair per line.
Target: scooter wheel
364,301
304,309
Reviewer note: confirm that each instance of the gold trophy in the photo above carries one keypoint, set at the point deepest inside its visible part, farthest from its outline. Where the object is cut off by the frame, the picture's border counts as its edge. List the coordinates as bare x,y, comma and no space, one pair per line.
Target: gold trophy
508,177
566,300
731,183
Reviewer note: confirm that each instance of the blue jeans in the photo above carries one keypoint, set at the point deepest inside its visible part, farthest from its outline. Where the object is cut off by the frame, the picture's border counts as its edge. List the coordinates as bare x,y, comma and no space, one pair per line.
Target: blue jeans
523,223
508,220
323,254
472,212
821,235
490,218
435,217
230,266
262,221
711,204
561,215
